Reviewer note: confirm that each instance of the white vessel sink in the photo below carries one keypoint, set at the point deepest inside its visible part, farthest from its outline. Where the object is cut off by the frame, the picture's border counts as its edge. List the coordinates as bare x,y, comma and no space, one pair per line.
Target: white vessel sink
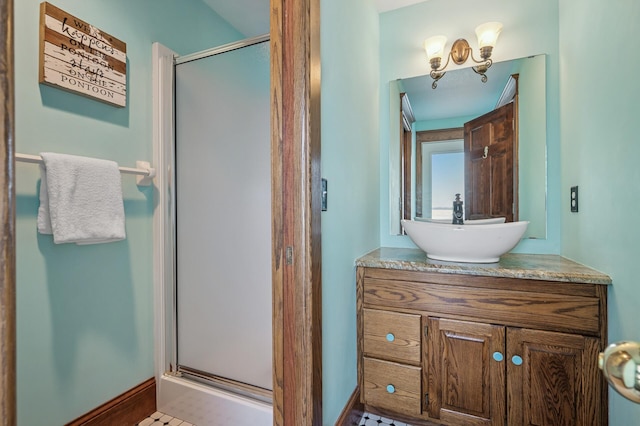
473,243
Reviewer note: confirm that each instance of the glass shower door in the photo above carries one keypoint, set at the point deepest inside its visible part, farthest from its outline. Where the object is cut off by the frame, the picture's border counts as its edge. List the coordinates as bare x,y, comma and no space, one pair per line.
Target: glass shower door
223,216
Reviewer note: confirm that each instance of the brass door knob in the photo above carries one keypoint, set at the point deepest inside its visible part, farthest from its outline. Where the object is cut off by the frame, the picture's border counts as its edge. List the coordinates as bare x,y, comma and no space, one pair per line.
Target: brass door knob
620,364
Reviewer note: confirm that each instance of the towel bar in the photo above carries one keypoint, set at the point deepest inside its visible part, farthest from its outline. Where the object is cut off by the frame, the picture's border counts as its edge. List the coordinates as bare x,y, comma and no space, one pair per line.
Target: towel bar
143,171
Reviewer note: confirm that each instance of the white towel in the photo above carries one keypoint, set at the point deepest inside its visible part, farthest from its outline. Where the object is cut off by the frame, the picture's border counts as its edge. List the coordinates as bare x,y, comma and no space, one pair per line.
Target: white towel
80,200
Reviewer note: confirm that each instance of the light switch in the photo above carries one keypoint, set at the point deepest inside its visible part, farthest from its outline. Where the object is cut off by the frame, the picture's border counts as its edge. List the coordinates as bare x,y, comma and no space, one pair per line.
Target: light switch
574,199
324,195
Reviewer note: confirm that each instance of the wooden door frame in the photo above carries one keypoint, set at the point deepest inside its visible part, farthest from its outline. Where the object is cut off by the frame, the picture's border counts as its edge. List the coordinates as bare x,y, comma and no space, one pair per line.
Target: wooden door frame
296,195
422,136
296,268
406,161
7,210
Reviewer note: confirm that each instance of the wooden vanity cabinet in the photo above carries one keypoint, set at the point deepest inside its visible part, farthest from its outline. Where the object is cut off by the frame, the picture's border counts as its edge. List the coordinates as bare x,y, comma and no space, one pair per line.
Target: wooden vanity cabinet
471,350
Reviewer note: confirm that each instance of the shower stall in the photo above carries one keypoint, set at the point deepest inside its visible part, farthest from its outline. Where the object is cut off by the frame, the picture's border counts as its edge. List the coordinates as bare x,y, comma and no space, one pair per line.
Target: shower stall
212,231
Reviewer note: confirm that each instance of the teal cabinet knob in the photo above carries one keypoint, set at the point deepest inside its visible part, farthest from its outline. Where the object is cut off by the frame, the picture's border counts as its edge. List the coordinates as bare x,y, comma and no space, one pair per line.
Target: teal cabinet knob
516,360
390,337
391,388
497,356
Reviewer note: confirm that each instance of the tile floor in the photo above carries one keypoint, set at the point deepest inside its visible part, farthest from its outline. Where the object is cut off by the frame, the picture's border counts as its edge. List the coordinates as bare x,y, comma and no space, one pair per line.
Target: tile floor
369,419
160,419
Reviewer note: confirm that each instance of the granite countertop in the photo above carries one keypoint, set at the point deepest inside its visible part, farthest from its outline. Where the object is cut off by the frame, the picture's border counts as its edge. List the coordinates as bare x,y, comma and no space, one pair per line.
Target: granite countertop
545,267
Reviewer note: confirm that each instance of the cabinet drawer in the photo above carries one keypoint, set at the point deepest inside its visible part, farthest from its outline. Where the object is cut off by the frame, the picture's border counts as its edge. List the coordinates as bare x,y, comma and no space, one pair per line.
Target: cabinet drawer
392,386
508,306
392,335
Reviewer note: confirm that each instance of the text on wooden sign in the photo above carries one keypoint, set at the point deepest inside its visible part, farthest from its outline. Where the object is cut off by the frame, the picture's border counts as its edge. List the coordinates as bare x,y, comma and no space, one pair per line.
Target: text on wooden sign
78,57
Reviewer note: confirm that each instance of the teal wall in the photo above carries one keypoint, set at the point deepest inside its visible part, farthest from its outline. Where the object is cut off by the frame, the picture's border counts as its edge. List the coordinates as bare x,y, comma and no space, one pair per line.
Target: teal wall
530,28
350,154
85,314
443,123
600,152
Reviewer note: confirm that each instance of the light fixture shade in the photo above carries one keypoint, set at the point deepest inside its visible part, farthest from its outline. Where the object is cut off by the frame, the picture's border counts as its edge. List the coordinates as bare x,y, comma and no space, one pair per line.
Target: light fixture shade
488,34
434,46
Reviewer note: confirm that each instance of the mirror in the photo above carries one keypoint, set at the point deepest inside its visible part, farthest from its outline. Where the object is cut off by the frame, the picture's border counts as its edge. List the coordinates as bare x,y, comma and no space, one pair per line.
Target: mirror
461,97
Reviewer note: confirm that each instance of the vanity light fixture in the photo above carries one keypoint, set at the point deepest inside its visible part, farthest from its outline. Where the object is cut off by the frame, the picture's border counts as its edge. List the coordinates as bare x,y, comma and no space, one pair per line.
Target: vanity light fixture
487,36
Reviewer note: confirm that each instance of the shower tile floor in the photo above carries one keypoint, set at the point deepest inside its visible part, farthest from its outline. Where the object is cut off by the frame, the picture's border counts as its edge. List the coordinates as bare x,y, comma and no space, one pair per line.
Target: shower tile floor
160,419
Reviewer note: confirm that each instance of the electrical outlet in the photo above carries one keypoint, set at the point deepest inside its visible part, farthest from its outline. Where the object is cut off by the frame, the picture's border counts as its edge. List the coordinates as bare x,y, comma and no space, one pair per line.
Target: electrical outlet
574,199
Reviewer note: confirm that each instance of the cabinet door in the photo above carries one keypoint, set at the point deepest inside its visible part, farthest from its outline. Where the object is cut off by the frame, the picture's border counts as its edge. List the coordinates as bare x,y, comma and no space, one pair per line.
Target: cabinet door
466,372
552,379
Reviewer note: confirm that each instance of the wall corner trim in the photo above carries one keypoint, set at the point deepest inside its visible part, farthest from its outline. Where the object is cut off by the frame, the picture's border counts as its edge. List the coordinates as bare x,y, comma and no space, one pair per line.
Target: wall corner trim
353,411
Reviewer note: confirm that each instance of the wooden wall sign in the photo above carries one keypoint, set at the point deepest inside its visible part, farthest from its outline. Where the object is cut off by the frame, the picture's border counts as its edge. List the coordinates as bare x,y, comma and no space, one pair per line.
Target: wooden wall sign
78,57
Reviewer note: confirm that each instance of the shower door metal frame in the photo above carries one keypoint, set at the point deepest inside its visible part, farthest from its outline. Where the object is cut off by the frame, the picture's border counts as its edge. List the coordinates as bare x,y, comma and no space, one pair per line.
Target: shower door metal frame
221,49
164,156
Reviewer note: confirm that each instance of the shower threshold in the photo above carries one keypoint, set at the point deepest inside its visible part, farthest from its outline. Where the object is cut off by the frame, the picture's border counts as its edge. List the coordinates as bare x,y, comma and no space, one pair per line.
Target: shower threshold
200,402
229,385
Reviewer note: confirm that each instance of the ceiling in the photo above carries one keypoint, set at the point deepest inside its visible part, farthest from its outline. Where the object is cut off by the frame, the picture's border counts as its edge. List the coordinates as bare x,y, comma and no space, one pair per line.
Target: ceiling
251,17
386,5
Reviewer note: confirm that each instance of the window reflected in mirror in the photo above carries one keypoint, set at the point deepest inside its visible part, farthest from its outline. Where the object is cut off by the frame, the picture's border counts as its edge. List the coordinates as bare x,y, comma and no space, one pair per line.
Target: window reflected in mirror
447,179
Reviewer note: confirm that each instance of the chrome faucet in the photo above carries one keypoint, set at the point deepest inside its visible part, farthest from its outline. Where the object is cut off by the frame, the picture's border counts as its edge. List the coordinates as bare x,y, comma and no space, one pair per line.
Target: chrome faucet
457,211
